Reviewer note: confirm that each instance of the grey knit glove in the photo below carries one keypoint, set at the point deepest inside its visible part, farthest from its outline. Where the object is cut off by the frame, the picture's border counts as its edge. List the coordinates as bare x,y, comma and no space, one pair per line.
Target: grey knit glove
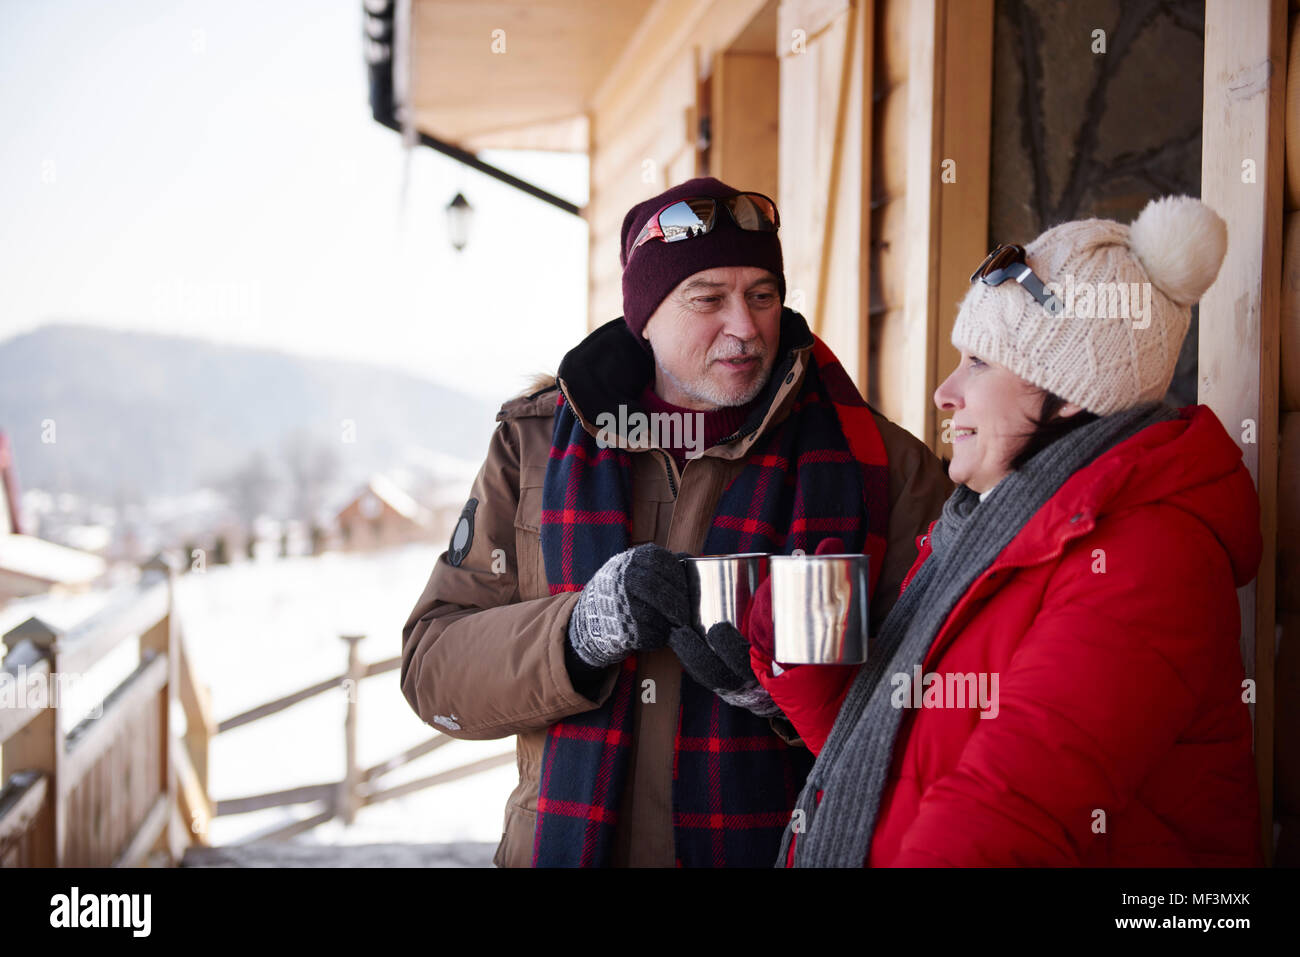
632,602
719,660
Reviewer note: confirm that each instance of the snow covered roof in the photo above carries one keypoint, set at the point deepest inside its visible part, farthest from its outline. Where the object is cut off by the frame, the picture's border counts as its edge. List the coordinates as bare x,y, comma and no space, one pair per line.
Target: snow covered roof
47,561
389,492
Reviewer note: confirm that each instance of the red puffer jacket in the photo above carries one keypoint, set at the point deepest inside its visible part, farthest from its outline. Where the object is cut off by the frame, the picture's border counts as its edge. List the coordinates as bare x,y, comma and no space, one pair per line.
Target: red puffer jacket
1116,733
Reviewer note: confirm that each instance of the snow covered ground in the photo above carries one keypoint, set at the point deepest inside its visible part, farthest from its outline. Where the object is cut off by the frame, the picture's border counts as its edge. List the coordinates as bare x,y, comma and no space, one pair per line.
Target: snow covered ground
259,630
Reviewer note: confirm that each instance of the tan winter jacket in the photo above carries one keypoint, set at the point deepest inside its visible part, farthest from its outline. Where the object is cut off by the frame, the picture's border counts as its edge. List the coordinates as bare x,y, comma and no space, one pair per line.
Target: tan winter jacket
483,649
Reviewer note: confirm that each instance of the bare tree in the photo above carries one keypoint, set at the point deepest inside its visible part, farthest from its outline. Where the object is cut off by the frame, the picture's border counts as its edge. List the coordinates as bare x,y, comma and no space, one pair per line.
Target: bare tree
313,465
251,487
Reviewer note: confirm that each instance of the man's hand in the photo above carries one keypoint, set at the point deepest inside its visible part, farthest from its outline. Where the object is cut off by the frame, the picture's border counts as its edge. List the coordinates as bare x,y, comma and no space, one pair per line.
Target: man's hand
632,603
719,660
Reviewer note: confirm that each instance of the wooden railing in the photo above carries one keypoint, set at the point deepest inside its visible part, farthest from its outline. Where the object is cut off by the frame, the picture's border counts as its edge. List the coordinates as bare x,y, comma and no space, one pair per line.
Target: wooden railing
124,787
120,787
359,787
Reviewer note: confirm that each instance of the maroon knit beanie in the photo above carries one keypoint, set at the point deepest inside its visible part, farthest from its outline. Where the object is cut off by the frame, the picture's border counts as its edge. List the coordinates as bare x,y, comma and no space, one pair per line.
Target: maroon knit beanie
658,267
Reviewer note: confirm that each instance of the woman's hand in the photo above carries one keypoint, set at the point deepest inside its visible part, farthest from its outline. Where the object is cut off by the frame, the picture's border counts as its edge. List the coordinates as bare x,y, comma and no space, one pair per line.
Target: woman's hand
809,695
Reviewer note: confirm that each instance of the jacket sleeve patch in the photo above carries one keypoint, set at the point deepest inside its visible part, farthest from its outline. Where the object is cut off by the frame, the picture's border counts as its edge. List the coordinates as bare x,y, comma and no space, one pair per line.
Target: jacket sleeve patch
462,536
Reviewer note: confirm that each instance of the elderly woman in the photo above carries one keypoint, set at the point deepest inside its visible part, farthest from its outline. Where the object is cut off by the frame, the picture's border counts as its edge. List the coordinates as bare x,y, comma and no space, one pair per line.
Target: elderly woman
1060,682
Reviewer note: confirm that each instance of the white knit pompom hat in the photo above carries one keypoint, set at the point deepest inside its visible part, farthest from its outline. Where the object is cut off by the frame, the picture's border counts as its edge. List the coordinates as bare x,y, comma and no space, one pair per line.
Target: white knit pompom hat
1110,347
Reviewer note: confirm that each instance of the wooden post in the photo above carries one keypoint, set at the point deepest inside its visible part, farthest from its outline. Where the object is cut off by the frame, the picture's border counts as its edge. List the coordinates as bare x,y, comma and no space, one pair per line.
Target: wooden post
161,639
950,90
41,746
199,726
961,213
349,793
1241,179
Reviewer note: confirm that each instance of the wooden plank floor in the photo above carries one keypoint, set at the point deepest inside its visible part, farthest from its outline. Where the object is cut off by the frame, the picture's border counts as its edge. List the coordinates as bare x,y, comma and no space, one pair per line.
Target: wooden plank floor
280,854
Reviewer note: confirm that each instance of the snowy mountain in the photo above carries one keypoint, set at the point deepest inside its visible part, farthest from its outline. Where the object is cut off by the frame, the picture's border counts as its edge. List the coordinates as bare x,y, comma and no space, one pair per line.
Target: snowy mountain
128,416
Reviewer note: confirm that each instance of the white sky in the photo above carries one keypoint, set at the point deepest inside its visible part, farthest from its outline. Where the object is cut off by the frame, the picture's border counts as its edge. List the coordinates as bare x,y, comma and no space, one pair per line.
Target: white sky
210,168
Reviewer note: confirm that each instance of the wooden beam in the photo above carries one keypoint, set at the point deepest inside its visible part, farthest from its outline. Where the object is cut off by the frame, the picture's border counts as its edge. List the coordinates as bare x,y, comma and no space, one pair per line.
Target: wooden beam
22,800
825,170
387,664
133,612
1242,179
305,794
949,91
279,704
407,756
162,642
669,28
25,663
200,726
192,797
921,248
965,126
442,777
291,830
348,800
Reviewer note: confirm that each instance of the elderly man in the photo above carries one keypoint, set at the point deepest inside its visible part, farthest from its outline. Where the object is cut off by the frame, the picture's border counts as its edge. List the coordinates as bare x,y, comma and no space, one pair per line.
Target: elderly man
708,419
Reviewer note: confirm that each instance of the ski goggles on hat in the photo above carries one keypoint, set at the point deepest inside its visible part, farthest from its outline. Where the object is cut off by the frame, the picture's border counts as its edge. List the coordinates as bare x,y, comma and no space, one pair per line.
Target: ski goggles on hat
1008,262
695,216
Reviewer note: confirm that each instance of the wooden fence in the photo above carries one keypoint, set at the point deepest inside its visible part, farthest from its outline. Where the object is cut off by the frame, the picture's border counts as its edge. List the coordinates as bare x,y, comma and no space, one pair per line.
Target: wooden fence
120,788
359,787
124,788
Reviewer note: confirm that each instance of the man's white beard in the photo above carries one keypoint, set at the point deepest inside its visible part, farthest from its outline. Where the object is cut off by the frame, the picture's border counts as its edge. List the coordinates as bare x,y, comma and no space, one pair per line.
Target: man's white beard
705,391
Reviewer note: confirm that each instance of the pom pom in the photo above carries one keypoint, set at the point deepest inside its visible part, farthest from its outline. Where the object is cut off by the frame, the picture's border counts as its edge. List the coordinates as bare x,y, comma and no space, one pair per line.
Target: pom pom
1181,243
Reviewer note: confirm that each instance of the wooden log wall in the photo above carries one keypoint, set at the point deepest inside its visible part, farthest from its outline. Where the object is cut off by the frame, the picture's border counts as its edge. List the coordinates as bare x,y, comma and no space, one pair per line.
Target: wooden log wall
886,385
826,69
644,125
877,100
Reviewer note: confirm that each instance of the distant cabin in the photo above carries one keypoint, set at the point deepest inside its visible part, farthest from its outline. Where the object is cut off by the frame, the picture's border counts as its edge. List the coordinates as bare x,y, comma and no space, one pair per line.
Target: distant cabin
383,515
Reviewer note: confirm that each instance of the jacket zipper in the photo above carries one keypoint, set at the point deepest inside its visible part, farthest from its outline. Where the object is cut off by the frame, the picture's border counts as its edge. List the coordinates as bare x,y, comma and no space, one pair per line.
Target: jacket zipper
737,435
742,432
668,470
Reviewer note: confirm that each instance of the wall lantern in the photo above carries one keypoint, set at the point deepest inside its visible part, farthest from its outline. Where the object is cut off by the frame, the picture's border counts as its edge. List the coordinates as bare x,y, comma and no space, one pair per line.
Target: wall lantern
459,214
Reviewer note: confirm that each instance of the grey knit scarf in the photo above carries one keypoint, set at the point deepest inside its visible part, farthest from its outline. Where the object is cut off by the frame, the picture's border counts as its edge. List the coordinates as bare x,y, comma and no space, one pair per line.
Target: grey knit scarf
854,763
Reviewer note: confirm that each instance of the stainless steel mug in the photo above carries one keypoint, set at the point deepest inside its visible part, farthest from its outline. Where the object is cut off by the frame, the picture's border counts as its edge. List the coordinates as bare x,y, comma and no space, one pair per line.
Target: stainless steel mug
722,586
819,608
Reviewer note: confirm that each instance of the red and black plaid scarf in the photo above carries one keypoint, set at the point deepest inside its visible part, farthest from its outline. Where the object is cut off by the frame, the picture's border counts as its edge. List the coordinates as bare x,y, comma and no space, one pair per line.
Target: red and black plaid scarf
820,473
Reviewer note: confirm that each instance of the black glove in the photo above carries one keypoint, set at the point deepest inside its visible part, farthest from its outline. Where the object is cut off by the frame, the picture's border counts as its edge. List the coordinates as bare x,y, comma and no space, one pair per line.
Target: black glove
631,604
719,660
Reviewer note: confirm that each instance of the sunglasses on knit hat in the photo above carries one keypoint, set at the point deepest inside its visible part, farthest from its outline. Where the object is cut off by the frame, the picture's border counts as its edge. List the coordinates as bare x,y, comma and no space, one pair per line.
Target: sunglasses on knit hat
696,215
1007,261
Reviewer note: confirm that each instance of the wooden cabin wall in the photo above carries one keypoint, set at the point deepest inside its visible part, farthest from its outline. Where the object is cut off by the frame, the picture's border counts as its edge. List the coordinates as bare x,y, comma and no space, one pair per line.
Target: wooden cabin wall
745,97
884,162
949,97
886,386
876,241
644,125
826,65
